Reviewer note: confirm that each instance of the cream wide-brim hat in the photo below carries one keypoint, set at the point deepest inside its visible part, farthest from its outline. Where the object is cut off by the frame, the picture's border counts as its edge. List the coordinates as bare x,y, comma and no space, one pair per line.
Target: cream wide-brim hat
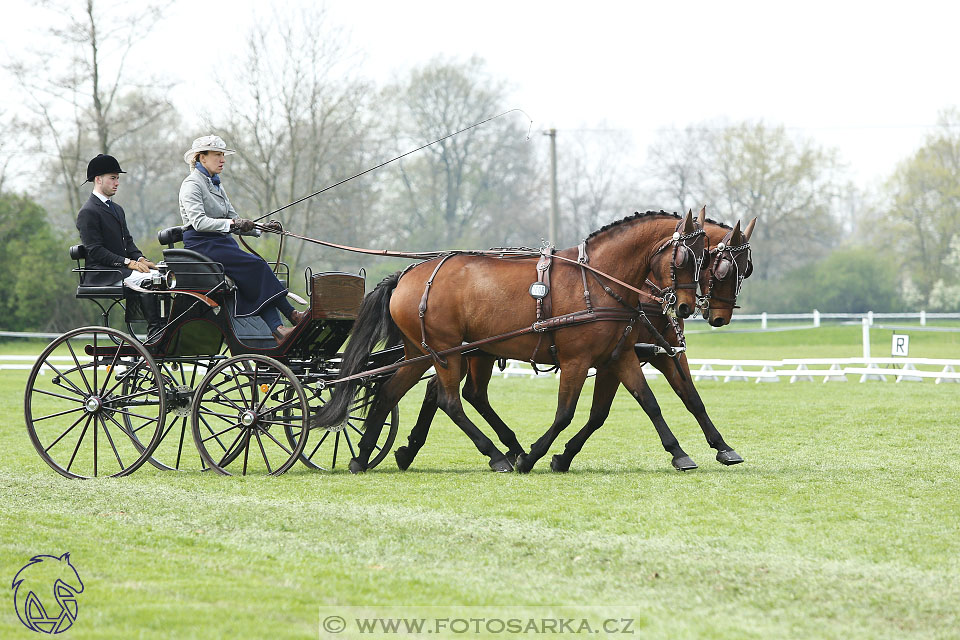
206,143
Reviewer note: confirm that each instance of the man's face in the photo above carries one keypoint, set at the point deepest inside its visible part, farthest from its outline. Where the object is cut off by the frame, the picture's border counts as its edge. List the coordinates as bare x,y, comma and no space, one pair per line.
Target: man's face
212,161
108,183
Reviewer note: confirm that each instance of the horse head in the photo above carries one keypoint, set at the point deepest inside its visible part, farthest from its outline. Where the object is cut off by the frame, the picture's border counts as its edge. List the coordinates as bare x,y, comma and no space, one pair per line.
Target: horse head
675,267
728,264
39,577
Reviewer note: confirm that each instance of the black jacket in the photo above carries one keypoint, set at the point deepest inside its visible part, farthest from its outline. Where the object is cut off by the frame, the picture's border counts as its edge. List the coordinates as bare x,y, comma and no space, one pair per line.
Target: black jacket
107,240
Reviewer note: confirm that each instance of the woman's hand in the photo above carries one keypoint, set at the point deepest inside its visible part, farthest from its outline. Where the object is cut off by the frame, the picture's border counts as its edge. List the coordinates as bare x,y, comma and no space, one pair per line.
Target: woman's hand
242,225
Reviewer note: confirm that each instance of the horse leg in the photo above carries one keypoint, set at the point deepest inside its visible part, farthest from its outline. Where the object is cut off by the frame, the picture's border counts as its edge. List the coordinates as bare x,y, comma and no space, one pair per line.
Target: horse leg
683,386
448,399
418,434
631,375
475,392
572,377
604,390
386,399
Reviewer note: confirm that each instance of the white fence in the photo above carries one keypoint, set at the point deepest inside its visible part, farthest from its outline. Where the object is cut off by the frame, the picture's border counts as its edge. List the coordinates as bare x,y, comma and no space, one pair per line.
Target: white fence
802,369
815,317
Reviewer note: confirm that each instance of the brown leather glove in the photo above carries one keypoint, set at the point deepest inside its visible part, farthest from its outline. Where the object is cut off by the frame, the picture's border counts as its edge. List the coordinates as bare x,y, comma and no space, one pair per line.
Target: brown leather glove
273,226
242,225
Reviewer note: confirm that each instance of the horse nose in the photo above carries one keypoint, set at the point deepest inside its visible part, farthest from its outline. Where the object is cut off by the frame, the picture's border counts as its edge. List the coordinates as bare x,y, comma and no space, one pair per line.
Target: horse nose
717,322
684,310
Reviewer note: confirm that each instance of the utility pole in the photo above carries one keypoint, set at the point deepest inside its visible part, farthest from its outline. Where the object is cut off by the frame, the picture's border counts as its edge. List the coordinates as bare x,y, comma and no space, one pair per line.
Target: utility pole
554,212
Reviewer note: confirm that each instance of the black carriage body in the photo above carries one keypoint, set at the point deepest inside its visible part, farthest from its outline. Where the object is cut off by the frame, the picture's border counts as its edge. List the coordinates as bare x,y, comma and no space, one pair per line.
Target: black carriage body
148,390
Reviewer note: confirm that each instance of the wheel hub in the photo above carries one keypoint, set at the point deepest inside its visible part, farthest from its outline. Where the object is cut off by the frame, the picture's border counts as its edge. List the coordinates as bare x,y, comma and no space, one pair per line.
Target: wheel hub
181,399
92,404
248,418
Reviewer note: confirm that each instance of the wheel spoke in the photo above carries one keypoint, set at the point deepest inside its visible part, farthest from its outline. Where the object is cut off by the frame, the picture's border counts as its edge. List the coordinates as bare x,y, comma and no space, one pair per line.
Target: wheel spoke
55,395
240,388
266,396
270,435
220,433
223,416
59,413
246,452
346,436
47,363
116,454
210,429
282,405
227,398
227,452
262,452
73,353
316,448
95,385
183,431
79,440
106,374
60,437
336,446
131,413
283,424
124,429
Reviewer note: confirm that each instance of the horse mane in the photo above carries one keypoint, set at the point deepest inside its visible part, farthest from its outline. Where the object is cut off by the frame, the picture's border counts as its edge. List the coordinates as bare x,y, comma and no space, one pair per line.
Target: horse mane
637,215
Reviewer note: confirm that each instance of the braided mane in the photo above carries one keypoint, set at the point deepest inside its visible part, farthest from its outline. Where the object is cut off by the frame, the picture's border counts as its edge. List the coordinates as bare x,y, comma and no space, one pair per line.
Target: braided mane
637,215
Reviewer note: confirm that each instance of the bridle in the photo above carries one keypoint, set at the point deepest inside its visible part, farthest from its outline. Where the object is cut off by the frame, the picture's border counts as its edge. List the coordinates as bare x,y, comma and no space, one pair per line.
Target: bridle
726,260
686,247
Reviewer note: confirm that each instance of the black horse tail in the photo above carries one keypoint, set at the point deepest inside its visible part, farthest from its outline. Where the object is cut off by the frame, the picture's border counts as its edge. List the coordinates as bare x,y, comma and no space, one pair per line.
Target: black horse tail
373,326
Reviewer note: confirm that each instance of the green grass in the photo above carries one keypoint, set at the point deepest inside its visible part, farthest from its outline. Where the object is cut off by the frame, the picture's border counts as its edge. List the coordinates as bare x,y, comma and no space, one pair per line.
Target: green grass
844,522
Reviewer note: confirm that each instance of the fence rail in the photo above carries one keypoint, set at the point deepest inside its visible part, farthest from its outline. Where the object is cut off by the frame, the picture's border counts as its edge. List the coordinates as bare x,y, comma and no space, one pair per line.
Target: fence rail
801,369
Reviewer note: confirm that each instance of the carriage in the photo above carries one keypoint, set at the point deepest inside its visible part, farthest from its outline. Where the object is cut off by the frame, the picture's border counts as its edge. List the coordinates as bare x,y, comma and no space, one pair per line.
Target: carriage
103,402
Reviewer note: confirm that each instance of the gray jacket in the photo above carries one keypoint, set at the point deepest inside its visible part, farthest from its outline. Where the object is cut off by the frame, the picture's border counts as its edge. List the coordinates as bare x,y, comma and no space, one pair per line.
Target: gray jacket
204,207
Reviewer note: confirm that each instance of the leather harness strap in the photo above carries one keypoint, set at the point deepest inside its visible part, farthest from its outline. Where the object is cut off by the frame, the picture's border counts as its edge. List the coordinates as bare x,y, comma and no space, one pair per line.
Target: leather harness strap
437,359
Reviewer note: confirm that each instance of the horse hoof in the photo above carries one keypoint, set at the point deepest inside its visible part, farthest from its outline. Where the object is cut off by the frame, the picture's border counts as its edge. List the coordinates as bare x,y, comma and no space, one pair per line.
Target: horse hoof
557,463
501,466
523,464
356,467
402,454
511,456
684,463
729,457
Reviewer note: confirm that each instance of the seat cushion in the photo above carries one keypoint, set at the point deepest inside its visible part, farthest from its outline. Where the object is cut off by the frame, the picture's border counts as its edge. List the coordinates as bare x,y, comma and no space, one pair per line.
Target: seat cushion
114,291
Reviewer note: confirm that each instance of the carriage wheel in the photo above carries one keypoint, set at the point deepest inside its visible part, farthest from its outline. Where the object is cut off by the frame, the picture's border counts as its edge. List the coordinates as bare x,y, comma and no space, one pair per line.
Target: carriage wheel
238,414
176,452
329,446
81,416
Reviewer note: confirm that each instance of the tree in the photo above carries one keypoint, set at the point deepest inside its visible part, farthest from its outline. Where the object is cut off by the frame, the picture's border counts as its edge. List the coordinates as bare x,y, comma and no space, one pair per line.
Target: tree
474,189
300,122
594,183
77,112
747,170
922,217
38,287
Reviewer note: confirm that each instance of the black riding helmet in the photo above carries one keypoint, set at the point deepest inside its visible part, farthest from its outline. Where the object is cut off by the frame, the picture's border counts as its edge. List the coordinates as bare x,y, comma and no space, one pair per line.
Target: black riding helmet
102,164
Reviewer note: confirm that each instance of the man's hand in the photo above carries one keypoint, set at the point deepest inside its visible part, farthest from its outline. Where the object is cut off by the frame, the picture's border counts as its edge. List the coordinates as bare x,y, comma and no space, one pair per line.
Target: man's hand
242,225
273,226
150,265
139,266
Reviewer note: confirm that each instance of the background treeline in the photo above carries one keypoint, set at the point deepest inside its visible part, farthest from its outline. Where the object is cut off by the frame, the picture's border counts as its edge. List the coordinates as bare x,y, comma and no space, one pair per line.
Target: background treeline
302,118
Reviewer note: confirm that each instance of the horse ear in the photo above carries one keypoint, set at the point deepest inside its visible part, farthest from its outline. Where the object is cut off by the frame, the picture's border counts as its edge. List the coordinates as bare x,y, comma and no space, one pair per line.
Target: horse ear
749,230
736,236
688,222
702,216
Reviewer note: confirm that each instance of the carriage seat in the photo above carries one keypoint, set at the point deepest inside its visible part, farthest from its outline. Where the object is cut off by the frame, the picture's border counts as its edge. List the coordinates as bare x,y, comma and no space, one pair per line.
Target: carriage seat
195,271
78,252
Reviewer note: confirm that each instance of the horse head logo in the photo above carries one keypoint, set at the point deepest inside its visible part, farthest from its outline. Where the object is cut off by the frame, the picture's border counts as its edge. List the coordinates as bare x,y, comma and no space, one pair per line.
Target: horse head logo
45,593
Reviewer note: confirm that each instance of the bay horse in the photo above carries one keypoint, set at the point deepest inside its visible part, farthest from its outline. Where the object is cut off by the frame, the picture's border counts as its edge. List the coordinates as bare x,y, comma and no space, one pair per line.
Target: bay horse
472,298
723,254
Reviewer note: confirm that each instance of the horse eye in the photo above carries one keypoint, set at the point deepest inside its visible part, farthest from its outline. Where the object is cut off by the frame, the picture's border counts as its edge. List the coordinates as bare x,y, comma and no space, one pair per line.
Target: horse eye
723,269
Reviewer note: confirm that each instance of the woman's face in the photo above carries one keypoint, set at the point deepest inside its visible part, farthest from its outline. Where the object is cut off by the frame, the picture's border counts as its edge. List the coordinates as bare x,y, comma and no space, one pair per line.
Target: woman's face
212,161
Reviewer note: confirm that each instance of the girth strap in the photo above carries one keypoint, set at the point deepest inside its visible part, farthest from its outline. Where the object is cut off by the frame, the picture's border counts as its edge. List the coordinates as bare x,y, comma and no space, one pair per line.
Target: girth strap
437,359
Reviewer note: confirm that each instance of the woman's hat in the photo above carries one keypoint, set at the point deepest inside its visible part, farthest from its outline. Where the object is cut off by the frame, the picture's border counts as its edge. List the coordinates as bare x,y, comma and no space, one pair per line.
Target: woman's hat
102,164
206,143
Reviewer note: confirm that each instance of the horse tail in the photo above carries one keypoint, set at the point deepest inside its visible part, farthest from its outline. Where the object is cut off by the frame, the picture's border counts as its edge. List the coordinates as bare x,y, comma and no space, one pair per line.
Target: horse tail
373,326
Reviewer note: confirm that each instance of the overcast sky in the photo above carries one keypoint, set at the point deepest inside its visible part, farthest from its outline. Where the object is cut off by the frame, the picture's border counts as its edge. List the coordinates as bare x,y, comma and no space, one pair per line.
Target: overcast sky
865,77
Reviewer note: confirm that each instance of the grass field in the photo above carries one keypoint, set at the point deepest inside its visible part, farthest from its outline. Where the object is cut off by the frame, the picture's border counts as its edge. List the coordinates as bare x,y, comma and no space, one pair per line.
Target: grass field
844,522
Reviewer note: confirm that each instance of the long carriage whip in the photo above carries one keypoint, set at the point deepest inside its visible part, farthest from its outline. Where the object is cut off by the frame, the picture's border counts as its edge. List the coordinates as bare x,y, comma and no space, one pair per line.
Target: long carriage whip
403,155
